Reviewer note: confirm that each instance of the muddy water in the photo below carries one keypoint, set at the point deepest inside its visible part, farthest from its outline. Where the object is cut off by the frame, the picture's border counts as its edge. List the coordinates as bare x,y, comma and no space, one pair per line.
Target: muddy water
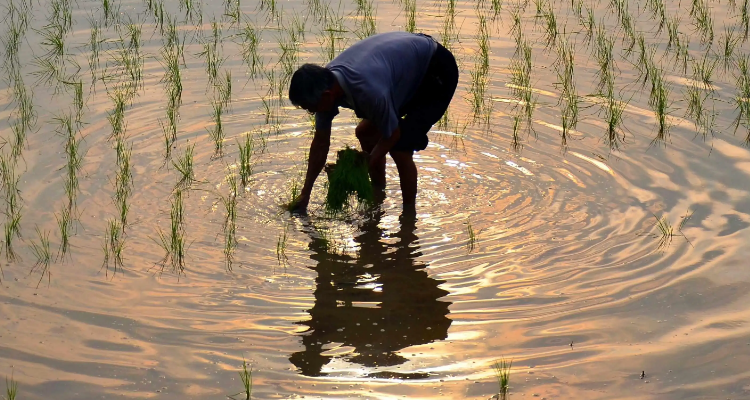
564,277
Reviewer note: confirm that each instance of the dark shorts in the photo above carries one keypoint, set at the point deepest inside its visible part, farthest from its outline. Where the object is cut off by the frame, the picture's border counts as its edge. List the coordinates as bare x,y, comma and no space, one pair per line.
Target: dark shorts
429,103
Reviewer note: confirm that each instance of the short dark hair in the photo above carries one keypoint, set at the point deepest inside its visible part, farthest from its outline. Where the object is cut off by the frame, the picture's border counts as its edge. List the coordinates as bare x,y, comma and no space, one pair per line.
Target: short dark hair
308,84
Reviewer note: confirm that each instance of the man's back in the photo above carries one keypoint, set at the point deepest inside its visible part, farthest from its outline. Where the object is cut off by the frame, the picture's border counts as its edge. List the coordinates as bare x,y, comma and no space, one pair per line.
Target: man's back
381,73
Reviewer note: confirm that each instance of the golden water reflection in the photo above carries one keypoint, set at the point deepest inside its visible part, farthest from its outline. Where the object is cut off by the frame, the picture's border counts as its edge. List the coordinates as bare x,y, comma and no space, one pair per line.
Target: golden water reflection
376,302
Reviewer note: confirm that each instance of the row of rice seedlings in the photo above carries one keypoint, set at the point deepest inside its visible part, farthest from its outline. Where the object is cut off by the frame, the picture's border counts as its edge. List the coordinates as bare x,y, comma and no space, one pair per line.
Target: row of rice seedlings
245,165
113,246
13,204
483,42
250,39
173,242
172,52
479,75
43,256
230,220
365,25
184,165
742,96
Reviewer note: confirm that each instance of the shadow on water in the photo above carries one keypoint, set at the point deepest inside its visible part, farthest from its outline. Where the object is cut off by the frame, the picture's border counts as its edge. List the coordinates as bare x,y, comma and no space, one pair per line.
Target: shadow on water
377,302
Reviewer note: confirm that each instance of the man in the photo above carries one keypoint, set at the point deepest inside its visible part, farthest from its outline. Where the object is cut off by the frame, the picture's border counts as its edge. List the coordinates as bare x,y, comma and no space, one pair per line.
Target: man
399,83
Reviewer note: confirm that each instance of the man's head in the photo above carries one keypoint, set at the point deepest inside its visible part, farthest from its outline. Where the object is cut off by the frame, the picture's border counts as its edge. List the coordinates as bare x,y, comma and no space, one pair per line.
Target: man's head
312,87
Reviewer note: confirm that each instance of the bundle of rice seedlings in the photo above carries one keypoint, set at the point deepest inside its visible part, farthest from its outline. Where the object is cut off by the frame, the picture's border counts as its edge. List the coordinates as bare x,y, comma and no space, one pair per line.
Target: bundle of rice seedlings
348,176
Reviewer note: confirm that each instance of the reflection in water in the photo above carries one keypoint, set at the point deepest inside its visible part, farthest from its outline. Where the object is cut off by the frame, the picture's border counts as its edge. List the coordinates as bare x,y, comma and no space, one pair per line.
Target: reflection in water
377,302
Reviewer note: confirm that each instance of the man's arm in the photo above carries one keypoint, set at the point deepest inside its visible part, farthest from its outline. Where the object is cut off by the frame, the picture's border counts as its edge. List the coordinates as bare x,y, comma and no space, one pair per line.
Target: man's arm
316,160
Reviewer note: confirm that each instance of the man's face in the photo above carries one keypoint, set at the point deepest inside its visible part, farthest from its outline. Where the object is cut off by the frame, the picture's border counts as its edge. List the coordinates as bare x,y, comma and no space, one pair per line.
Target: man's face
324,104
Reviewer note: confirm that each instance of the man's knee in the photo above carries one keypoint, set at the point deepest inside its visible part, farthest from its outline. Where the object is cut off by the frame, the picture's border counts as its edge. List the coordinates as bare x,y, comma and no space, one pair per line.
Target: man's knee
365,131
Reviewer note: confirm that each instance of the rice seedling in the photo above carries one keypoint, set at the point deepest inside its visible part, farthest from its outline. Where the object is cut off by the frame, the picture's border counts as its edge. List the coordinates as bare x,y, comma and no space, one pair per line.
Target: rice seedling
245,166
589,25
250,39
566,81
331,38
727,44
233,11
703,70
111,12
184,165
292,194
217,131
550,28
703,21
477,90
116,117
43,256
18,140
53,41
603,52
658,12
78,103
12,228
613,113
659,102
212,55
225,90
11,388
496,6
673,29
629,33
744,20
472,241
281,256
230,221
520,81
65,225
515,26
123,181
271,8
483,43
114,244
246,376
12,42
515,143
682,54
365,25
666,231
173,242
742,96
410,8
502,374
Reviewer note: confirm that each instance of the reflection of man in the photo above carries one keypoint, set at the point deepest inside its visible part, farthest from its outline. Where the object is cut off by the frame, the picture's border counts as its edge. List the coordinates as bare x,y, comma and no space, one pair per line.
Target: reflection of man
399,83
378,303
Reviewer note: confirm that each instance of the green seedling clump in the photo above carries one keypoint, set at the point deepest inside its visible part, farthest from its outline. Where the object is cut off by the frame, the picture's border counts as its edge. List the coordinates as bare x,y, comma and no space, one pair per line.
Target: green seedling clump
349,175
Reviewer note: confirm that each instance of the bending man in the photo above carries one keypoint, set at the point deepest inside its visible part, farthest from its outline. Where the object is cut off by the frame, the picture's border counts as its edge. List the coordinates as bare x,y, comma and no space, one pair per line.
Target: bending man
399,83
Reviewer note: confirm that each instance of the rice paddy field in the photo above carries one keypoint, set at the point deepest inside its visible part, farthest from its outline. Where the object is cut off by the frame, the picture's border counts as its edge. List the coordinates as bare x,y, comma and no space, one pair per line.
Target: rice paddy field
582,218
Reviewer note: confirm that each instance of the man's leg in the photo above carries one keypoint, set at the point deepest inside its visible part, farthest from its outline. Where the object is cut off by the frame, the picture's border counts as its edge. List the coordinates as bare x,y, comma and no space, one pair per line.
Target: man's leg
368,135
407,173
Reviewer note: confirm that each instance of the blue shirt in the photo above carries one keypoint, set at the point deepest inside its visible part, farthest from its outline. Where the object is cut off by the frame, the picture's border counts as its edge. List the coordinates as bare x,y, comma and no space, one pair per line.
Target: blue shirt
378,76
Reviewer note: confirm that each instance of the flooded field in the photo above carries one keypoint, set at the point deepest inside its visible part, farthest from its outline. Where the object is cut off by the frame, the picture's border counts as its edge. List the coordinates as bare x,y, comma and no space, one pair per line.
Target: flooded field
583,208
